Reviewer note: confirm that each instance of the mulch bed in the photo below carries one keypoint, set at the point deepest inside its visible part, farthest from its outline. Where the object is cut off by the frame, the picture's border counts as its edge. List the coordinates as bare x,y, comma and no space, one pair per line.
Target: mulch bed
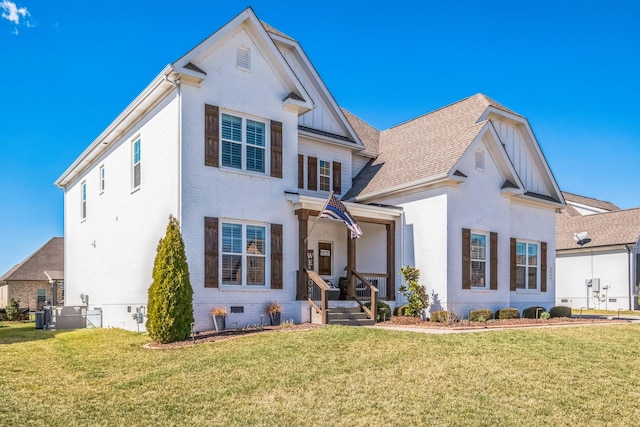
414,322
228,334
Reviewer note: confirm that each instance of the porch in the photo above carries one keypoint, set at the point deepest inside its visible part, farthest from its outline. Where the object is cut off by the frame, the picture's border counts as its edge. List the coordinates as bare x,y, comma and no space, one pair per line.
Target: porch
337,272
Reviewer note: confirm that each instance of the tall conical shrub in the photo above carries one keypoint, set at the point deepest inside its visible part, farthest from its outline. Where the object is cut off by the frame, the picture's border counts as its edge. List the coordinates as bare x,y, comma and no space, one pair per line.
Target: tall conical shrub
170,306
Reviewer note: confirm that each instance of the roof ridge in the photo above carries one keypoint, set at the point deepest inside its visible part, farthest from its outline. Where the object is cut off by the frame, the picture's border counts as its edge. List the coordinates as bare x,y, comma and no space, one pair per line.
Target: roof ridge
430,112
587,197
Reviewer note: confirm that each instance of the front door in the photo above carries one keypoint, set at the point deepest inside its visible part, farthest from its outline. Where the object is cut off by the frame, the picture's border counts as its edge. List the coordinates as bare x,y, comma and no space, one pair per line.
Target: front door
325,259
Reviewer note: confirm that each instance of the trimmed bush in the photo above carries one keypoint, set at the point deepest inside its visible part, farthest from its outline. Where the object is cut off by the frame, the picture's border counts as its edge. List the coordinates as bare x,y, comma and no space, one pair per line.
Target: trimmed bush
484,313
399,310
13,310
560,311
508,313
415,293
444,316
170,306
533,312
383,311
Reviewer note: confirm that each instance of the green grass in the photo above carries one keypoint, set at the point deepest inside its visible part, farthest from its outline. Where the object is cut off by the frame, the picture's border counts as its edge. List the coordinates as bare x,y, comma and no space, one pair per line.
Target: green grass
328,376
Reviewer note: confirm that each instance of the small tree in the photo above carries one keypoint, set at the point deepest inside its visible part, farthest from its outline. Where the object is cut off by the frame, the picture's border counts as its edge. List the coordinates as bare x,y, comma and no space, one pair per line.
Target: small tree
13,310
170,306
414,292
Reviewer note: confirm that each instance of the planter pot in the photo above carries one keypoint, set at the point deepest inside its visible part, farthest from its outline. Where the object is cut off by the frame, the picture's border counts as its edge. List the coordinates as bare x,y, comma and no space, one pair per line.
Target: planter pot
218,322
274,318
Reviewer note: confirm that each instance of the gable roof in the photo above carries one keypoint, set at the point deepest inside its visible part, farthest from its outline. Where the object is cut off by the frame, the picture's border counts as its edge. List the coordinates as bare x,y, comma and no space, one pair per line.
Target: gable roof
588,201
605,229
48,259
426,147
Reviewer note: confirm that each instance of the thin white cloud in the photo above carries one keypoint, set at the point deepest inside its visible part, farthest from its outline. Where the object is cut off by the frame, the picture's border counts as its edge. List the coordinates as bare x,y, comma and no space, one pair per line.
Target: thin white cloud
13,13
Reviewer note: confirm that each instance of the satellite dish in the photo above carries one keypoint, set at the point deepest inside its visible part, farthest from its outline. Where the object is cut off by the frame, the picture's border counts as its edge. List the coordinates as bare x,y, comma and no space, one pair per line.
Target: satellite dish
581,238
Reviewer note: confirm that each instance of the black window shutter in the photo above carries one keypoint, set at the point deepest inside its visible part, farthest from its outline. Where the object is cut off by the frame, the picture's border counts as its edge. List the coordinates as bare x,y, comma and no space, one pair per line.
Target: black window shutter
276,256
466,258
211,135
210,252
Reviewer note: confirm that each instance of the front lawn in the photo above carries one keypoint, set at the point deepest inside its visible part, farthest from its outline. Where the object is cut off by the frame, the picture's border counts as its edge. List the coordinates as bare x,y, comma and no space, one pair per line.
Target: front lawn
327,376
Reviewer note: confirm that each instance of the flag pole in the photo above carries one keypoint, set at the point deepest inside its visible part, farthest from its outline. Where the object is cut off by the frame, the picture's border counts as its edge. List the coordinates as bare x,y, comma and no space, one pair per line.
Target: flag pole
318,217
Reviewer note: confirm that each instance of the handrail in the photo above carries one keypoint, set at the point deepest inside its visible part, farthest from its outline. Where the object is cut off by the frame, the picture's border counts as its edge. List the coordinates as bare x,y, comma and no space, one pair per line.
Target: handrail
371,311
324,297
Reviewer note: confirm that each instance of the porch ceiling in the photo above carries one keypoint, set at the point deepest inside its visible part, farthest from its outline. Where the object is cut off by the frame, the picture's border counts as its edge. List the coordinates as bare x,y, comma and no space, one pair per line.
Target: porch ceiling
361,212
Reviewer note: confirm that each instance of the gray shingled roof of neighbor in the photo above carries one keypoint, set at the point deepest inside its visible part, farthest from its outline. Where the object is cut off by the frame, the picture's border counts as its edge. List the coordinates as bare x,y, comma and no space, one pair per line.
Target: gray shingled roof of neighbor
49,258
600,204
604,229
427,146
275,31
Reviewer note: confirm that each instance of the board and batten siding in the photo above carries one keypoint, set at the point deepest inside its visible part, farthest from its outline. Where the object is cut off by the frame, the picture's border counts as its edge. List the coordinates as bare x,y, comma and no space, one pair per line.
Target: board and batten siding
521,157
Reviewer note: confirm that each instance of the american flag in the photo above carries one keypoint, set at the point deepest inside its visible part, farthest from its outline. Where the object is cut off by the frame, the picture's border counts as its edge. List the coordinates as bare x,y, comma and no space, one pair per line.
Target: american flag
337,211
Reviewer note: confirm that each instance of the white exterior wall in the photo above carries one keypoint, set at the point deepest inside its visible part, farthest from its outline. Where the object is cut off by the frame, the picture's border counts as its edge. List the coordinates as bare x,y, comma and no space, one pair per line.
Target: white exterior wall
477,204
232,194
125,226
423,239
357,163
611,267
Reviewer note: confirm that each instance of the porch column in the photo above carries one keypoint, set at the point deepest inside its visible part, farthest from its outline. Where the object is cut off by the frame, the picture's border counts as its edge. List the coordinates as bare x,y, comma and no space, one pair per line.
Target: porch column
303,221
391,261
351,265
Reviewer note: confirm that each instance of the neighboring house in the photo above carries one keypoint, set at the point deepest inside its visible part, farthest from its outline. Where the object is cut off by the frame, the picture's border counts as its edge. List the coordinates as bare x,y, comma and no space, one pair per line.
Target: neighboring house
604,272
243,143
37,279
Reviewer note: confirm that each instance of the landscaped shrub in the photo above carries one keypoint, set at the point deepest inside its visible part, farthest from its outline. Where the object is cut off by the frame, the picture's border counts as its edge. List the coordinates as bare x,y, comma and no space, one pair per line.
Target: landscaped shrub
383,311
414,292
560,311
170,306
13,310
399,310
508,313
444,316
485,314
533,312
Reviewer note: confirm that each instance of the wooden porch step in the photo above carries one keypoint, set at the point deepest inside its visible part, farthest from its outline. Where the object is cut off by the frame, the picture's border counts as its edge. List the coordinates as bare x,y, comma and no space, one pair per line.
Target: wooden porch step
348,316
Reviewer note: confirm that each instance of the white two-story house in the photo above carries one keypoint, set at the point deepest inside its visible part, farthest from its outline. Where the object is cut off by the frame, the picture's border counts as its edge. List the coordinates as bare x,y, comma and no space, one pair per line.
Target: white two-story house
242,142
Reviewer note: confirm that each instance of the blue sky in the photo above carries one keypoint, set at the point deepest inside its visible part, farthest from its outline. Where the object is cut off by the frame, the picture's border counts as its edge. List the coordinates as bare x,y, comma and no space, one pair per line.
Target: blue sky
570,67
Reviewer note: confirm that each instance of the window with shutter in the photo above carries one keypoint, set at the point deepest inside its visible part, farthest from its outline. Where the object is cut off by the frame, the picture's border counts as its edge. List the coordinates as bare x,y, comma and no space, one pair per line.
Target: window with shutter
276,149
211,135
337,177
466,258
312,173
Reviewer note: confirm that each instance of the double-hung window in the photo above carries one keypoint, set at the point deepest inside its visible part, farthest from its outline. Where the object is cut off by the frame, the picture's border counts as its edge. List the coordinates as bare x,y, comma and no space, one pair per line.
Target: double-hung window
243,254
101,179
243,143
325,175
478,260
136,176
83,200
527,265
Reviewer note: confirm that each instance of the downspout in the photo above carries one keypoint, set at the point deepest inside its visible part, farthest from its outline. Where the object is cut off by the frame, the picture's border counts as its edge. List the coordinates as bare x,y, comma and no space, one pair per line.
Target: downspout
176,84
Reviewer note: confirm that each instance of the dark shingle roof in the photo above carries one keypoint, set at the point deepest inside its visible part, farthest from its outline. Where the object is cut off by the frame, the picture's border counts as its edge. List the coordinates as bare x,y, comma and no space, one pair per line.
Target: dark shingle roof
49,258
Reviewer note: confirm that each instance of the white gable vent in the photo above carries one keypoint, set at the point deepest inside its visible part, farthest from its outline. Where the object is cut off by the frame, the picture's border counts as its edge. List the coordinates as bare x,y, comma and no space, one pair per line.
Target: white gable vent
480,160
243,58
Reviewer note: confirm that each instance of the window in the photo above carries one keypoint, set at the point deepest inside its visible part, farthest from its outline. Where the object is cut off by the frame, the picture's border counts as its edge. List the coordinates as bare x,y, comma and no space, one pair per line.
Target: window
527,265
243,254
478,260
243,143
325,175
101,179
83,200
135,170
